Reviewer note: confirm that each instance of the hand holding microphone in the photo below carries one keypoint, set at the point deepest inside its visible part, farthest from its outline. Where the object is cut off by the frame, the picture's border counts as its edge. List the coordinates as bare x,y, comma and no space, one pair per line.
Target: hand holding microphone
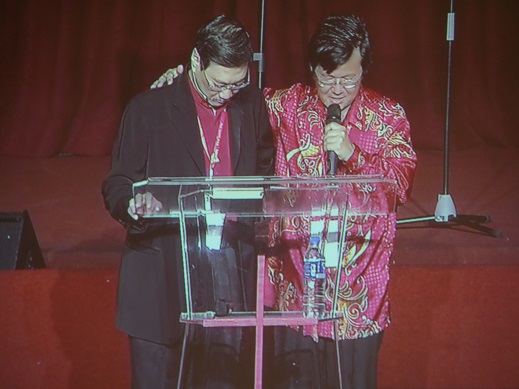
336,140
333,115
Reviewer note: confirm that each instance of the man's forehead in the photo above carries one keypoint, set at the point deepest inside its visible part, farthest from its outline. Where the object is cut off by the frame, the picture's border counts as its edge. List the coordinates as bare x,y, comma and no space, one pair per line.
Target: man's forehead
223,74
352,66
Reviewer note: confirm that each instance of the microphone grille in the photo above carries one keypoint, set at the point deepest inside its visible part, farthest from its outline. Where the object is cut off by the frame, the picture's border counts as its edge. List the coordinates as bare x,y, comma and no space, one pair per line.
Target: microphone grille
334,112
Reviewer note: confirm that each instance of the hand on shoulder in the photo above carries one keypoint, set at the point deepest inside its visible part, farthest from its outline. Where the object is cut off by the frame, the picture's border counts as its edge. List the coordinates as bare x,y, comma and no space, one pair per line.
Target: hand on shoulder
168,77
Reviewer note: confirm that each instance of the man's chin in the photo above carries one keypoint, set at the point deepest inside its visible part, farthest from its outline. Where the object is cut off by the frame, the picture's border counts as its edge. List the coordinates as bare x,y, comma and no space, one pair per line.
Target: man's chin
217,103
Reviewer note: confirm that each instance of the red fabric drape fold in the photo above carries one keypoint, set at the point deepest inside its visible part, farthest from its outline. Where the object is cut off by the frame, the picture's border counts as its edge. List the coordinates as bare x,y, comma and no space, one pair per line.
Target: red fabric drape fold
68,68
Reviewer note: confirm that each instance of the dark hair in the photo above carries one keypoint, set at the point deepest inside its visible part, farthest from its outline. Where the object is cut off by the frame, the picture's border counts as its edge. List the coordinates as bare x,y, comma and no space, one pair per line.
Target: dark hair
335,40
225,42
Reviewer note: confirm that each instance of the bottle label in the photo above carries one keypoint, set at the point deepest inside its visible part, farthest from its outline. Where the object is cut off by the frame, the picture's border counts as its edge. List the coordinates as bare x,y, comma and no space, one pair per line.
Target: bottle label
315,269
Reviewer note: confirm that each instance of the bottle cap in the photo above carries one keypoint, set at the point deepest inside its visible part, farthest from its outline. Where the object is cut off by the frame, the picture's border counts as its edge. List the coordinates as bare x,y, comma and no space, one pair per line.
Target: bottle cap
314,239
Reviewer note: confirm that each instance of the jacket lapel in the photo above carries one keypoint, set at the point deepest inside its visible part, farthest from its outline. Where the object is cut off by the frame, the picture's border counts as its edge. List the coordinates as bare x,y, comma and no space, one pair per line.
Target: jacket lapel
183,118
236,118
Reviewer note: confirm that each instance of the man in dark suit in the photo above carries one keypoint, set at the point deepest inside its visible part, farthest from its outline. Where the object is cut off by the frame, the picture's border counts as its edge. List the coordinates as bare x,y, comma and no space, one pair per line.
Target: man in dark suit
209,123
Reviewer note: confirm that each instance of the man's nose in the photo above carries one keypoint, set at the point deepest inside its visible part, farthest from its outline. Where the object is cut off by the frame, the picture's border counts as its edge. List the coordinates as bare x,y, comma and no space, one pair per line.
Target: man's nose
226,94
337,88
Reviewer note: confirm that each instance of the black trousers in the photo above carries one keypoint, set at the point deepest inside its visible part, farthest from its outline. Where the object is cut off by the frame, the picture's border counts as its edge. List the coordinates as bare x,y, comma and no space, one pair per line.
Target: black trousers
154,365
301,363
214,358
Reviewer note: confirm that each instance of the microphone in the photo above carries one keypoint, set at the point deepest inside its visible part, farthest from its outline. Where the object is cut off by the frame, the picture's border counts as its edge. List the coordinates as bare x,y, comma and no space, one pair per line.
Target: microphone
333,115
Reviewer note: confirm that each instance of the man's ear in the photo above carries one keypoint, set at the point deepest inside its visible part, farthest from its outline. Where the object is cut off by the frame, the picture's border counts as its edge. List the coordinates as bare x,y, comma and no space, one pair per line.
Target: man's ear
195,59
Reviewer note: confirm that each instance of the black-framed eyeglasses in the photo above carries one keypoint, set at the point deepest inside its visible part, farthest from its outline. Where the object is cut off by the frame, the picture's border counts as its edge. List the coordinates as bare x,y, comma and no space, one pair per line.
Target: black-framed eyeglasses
220,88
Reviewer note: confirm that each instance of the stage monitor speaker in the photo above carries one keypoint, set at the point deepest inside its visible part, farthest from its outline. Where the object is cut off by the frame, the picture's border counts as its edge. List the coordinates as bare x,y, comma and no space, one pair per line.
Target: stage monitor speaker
19,248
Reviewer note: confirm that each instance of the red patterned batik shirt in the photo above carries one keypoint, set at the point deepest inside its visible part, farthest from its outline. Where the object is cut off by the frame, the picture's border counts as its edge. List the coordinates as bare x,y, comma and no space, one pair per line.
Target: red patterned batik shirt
378,128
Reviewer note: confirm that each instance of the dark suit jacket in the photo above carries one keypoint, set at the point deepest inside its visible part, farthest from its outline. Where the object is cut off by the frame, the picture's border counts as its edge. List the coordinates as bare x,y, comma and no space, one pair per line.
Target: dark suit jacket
159,137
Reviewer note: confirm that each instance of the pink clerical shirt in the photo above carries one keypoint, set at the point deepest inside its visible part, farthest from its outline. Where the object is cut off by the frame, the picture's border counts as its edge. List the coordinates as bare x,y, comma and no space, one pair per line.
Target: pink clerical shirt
214,134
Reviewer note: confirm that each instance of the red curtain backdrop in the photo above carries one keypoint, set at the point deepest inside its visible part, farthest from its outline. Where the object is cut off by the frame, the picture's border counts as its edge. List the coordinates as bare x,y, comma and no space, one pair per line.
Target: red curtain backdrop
68,67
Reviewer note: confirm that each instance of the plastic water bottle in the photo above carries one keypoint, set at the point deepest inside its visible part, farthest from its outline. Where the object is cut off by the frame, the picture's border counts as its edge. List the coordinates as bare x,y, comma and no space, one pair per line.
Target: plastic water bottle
314,279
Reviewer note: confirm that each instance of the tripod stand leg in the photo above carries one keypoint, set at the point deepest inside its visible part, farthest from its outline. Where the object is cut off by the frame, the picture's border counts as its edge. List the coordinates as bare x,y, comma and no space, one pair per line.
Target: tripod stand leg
468,221
472,219
415,220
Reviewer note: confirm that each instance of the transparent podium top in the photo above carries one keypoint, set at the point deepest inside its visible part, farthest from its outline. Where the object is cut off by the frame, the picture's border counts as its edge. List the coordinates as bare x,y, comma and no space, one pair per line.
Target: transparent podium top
226,222
269,196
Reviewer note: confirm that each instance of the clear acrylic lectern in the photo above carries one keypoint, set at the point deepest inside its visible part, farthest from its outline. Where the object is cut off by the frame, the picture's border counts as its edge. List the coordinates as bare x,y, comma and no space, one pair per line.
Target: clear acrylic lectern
224,228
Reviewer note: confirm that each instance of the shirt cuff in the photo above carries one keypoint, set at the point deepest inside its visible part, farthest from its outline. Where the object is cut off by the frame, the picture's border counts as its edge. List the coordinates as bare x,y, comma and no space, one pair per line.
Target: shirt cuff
354,164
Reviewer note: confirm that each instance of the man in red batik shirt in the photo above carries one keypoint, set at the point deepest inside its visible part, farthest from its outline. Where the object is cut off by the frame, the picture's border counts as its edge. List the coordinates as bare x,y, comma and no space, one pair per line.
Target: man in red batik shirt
372,138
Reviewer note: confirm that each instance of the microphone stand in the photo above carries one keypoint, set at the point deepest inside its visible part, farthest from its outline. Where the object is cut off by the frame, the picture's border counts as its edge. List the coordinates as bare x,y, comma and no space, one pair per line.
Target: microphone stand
445,212
259,56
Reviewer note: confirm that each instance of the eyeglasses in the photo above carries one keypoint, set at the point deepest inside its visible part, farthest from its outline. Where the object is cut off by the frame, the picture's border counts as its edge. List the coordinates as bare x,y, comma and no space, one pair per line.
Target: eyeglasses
233,87
346,83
